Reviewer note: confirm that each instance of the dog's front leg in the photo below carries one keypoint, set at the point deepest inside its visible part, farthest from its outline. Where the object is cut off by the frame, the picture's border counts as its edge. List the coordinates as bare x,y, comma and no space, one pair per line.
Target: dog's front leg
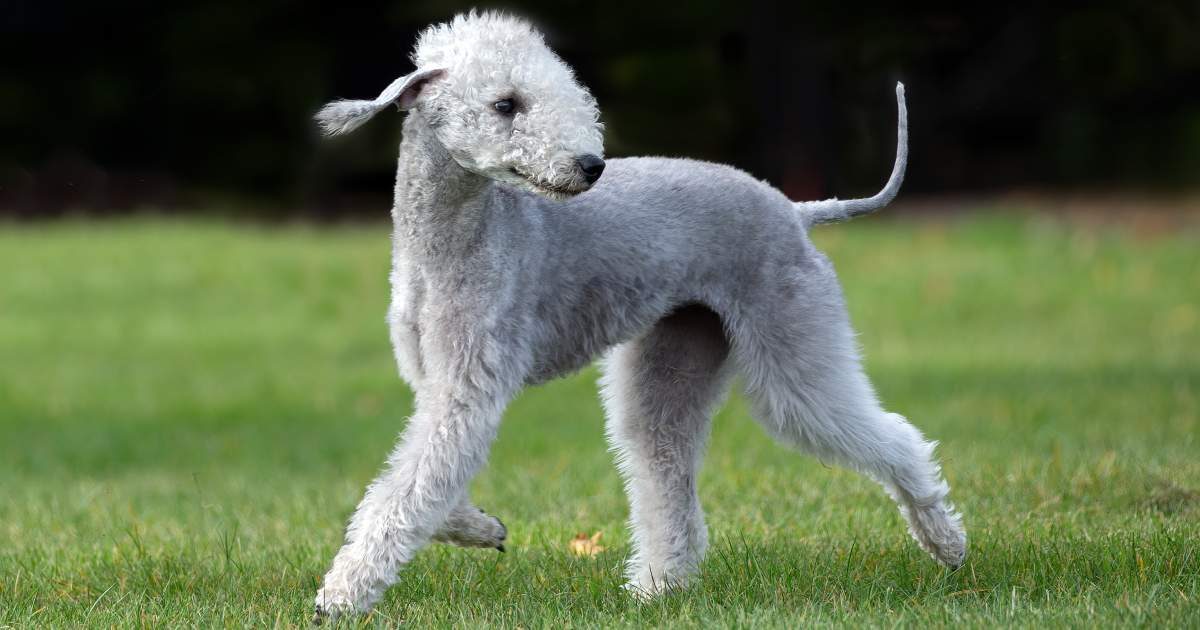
469,526
444,445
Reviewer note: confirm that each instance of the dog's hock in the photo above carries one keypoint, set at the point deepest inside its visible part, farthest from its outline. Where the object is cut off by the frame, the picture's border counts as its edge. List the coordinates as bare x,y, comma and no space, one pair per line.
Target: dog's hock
344,116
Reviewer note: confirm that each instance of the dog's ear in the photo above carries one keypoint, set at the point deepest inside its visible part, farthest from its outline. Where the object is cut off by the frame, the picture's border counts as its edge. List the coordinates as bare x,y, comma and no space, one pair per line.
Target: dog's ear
345,116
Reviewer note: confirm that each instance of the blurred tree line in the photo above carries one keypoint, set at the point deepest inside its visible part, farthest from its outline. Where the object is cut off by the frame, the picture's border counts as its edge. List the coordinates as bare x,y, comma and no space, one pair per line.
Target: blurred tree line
180,105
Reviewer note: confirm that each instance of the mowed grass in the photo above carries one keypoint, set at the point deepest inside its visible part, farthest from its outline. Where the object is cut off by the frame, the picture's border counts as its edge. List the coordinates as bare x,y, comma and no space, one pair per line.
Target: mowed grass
189,411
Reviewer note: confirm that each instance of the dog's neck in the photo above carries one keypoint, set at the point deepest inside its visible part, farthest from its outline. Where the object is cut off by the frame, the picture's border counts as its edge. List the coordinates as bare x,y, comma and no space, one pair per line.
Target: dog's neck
440,207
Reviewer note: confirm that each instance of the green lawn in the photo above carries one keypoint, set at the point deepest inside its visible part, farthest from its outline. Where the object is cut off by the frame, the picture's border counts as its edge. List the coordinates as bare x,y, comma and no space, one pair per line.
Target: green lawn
189,411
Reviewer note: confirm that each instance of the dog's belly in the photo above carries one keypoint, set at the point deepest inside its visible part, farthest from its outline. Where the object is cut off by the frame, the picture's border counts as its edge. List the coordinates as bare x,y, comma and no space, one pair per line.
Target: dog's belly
548,370
565,348
603,313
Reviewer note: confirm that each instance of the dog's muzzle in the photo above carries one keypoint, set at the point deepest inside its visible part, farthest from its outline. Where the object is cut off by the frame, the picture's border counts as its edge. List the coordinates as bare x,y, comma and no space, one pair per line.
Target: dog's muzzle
592,167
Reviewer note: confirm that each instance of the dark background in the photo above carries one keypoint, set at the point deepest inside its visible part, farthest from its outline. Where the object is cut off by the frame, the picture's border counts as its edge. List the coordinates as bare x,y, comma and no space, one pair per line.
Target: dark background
186,107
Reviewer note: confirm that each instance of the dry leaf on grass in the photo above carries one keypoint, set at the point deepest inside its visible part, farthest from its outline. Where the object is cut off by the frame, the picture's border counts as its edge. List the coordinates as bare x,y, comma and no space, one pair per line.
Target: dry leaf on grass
582,545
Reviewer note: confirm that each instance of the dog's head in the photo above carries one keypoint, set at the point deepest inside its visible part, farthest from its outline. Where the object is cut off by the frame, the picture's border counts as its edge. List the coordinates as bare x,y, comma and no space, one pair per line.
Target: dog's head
500,101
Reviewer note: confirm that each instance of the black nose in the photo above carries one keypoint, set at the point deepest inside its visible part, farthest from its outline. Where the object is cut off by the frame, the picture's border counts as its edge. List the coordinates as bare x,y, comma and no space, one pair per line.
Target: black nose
591,165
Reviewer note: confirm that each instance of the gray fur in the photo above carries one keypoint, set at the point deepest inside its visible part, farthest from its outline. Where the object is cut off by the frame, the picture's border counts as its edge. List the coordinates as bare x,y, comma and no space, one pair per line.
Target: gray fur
689,272
834,210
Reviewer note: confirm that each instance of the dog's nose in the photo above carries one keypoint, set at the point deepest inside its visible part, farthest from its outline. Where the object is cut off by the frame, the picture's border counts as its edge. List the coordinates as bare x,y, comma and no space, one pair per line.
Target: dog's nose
591,165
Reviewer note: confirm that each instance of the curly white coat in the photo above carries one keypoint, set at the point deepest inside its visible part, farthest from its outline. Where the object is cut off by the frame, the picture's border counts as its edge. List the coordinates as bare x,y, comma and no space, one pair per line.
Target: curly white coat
510,268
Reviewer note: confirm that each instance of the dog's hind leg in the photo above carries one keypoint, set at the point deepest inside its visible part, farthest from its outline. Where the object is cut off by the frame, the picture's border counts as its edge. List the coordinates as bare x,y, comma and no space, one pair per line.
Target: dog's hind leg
805,381
659,393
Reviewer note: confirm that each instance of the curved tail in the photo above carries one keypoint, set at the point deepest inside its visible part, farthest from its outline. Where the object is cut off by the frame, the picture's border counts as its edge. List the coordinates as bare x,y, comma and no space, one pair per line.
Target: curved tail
834,210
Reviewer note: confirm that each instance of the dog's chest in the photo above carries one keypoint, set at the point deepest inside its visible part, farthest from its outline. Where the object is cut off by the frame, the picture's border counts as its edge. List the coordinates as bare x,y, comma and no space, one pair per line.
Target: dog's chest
408,296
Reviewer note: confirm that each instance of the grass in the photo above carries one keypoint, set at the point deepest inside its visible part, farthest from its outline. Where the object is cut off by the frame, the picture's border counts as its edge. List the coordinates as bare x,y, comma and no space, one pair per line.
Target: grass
189,411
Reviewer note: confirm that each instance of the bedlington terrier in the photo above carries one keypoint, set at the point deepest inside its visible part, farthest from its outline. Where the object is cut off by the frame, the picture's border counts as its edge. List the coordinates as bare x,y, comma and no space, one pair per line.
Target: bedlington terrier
515,262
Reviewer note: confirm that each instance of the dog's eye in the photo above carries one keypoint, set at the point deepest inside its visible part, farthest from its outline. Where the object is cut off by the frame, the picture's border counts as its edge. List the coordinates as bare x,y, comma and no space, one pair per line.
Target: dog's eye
504,106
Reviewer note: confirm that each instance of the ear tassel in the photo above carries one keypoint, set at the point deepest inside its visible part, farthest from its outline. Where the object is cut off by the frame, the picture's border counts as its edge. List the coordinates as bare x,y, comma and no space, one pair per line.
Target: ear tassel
344,116
341,117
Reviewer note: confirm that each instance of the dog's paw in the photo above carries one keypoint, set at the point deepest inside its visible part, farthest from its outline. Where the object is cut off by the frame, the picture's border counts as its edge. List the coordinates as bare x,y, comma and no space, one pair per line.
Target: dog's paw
646,587
331,604
939,531
473,528
494,533
952,552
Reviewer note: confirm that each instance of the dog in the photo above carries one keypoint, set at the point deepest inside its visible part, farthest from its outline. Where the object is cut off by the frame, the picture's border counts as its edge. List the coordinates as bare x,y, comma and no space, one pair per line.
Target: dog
520,254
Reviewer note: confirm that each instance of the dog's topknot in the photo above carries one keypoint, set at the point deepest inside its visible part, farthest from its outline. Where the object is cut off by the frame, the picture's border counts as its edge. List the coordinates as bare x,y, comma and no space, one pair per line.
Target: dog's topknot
473,33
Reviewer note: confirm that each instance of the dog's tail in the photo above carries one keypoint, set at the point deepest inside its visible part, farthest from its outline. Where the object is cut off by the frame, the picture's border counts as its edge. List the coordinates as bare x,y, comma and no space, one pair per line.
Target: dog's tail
834,210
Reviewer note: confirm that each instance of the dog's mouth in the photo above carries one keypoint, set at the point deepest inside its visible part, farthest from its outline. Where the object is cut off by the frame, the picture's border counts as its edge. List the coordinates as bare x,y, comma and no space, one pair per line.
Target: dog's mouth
547,189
